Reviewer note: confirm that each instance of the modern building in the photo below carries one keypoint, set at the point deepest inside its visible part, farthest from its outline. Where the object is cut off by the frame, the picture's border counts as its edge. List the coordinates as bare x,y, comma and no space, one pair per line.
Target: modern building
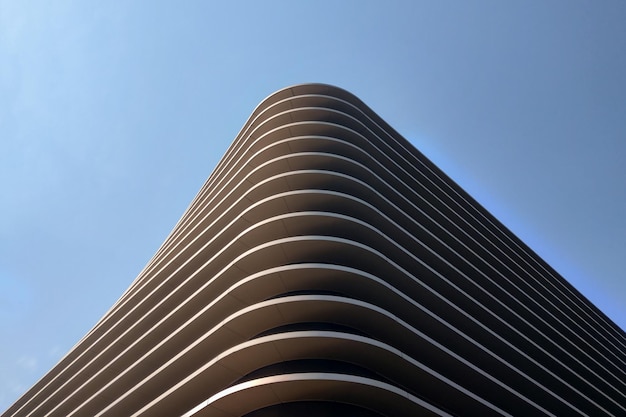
328,268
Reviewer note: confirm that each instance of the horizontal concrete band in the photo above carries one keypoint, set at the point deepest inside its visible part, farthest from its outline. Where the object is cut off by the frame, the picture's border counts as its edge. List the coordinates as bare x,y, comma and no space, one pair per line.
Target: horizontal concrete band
323,241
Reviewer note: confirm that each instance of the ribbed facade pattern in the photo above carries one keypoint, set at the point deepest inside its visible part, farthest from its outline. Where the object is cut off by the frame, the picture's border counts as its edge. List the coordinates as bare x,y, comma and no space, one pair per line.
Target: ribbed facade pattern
328,268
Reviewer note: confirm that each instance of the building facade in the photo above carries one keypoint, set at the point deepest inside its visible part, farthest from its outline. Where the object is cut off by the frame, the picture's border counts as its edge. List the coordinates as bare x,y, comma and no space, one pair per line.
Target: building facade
327,267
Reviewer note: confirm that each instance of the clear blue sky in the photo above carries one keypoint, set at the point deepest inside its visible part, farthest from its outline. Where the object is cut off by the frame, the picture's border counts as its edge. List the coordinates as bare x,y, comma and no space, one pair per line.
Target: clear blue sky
113,114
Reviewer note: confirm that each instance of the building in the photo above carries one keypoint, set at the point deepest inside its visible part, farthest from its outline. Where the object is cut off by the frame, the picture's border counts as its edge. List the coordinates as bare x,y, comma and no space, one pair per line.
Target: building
327,267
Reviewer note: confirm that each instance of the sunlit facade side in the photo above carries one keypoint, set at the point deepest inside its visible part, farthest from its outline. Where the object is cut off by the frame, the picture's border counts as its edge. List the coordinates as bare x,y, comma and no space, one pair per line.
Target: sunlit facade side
327,267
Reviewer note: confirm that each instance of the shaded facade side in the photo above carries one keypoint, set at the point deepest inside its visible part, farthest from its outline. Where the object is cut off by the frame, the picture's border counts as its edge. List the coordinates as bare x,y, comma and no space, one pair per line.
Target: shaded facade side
327,265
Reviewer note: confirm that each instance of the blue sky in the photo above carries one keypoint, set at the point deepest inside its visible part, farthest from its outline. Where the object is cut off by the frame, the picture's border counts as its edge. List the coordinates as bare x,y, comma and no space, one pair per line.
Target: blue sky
113,114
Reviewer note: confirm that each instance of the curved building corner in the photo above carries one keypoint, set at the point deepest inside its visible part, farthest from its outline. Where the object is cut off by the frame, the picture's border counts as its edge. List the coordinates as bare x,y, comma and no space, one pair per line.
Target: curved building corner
327,267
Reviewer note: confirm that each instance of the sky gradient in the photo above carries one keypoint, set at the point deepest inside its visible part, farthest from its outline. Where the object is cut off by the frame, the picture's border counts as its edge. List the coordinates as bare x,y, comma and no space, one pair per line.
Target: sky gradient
113,114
